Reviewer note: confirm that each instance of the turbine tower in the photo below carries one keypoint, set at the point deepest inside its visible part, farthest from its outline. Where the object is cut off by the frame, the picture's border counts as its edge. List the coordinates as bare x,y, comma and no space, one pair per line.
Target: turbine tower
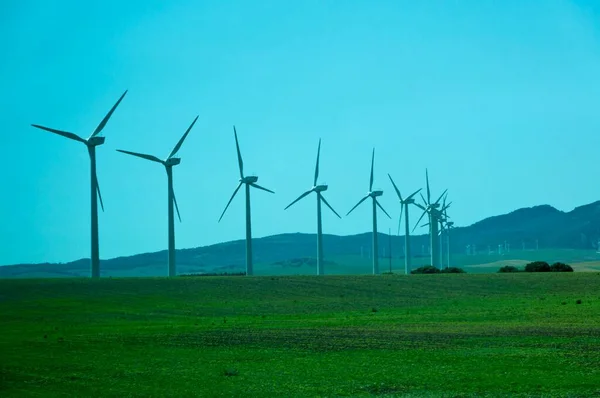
443,220
169,162
318,189
373,194
431,209
91,142
449,227
404,208
248,181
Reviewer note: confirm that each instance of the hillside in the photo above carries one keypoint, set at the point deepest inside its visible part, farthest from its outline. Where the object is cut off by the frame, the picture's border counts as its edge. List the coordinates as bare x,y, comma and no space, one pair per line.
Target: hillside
551,228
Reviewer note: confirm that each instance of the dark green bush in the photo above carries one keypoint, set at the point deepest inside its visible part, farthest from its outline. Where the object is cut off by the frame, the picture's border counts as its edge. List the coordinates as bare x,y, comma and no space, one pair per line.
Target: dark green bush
453,270
426,269
231,372
537,266
561,267
508,268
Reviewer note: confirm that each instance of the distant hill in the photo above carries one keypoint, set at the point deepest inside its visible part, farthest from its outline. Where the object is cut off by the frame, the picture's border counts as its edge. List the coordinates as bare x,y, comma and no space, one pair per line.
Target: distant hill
551,228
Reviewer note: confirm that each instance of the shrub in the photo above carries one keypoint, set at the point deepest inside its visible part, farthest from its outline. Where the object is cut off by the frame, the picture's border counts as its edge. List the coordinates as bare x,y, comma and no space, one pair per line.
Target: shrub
508,268
230,372
453,270
426,269
537,266
561,267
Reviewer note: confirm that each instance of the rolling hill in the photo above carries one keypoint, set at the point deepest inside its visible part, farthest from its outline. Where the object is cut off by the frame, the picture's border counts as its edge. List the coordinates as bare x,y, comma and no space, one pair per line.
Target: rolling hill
527,228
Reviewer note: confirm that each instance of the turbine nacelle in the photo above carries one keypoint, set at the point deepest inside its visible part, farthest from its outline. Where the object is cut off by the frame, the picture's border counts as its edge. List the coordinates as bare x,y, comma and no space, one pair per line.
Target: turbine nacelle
249,179
320,188
172,161
376,193
434,205
95,141
409,201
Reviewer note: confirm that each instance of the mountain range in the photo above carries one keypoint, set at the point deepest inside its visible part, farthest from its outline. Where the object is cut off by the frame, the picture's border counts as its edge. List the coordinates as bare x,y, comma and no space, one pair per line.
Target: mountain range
527,228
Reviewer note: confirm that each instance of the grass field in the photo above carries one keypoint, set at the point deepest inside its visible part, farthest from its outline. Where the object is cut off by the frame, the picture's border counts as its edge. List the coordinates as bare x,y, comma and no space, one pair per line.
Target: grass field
389,335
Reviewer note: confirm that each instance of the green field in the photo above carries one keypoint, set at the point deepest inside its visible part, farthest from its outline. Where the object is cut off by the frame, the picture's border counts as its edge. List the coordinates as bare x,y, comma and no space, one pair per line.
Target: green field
389,335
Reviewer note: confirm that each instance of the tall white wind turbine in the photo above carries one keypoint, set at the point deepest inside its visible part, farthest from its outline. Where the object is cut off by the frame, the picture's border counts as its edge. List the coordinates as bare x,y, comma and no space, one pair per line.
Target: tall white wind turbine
373,194
248,181
404,209
169,162
318,189
91,143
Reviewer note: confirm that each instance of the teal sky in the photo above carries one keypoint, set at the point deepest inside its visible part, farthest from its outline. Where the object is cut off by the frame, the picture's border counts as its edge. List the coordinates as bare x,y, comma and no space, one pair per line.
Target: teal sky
499,99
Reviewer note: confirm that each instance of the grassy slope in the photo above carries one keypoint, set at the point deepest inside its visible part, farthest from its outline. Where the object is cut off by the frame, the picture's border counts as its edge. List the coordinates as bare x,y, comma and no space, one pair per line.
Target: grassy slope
350,264
502,334
481,263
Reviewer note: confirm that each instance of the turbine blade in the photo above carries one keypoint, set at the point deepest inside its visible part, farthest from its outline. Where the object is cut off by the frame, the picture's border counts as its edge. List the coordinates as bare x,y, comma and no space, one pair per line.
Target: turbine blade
440,198
400,219
372,164
420,207
356,205
396,188
174,151
382,209
142,155
428,191
414,193
446,207
228,203
299,197
317,166
328,205
98,192
240,161
175,202
419,220
259,187
424,201
60,132
108,115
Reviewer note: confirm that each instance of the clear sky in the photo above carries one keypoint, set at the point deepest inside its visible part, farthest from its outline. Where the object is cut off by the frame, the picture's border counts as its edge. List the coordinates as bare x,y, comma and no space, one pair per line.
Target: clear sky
499,99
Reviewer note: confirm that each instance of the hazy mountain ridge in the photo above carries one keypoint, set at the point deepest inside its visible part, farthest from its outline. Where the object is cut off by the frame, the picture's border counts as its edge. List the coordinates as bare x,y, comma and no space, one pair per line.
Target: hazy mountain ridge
577,229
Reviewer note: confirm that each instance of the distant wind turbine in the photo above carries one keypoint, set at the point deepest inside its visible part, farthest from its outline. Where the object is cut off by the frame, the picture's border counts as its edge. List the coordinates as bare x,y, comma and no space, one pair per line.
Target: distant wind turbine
318,189
431,209
249,181
373,194
442,217
449,227
169,162
91,142
404,209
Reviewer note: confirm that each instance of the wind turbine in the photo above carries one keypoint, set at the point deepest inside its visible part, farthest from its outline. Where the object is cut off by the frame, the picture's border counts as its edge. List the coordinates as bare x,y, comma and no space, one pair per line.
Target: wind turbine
249,181
443,220
91,142
318,189
431,209
169,162
373,194
449,227
404,208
